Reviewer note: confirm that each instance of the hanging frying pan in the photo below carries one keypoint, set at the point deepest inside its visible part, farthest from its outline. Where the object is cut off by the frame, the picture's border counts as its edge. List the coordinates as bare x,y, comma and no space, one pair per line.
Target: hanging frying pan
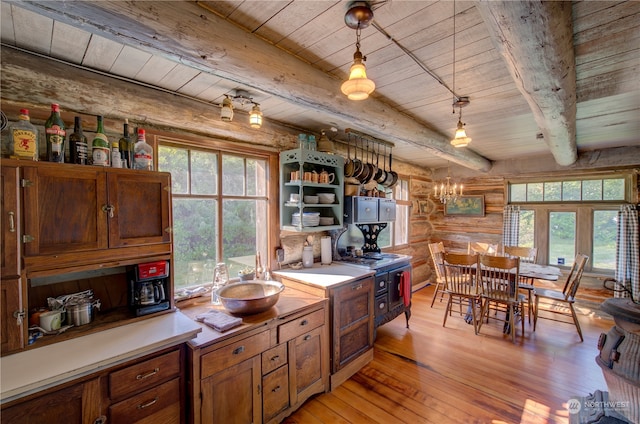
357,163
382,173
348,165
378,173
394,179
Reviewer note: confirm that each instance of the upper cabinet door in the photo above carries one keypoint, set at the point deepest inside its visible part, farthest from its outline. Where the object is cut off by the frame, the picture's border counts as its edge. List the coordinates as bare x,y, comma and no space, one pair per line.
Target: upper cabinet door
142,208
64,210
10,208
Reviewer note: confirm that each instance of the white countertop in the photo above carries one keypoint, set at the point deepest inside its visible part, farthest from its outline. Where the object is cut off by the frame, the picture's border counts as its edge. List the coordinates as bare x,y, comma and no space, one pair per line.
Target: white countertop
33,370
325,275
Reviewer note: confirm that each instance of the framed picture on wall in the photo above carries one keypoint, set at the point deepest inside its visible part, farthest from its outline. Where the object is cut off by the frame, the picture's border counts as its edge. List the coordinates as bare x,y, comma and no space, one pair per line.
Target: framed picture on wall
465,206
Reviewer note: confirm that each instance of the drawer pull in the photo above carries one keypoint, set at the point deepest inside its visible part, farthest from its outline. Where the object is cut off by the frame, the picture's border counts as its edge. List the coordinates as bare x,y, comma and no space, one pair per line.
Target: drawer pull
382,305
238,350
12,222
148,404
307,337
276,389
275,358
147,375
357,287
304,322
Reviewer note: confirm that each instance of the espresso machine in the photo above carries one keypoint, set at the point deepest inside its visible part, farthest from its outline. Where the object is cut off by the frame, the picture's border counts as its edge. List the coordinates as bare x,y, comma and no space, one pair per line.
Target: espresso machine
148,287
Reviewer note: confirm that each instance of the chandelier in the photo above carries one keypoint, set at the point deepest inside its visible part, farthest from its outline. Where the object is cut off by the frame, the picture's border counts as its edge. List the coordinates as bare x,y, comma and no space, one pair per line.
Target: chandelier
446,192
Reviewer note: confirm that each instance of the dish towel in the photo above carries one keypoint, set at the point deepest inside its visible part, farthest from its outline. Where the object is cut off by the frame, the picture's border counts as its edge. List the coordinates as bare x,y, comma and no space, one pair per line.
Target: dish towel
219,321
405,287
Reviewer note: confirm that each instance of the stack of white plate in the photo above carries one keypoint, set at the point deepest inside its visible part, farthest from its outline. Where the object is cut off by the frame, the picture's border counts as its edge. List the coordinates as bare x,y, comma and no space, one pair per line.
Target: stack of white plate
309,219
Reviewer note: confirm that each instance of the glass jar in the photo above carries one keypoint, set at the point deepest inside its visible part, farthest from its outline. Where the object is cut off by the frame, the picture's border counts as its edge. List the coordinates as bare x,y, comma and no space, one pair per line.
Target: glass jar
220,278
307,256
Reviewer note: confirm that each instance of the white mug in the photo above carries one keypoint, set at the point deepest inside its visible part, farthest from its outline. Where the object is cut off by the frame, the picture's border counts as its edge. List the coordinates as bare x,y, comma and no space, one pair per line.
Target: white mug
51,321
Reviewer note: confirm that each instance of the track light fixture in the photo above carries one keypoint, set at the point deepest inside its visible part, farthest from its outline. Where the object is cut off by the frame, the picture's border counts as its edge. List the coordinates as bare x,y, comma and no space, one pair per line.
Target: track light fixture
243,97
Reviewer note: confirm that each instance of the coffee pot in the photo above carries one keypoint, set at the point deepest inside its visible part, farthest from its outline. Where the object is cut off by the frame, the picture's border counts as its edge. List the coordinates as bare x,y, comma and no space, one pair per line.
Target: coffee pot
146,294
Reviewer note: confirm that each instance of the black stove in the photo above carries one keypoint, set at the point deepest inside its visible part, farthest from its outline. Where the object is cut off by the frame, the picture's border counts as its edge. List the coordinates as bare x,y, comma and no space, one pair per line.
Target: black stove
374,260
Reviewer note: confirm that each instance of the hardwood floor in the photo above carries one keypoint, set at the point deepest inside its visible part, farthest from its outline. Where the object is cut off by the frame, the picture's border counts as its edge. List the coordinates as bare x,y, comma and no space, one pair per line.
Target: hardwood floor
431,374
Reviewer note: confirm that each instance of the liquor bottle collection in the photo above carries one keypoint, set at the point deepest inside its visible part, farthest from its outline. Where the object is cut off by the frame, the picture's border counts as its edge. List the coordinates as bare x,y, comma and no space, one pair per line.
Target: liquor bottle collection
99,151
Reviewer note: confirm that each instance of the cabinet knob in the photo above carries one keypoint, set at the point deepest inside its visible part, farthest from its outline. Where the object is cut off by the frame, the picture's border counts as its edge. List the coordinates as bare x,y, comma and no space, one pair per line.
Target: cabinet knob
238,350
304,322
100,420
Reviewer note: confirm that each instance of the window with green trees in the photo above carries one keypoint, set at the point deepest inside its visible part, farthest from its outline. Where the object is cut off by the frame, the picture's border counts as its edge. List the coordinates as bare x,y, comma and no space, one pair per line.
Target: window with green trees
219,210
565,217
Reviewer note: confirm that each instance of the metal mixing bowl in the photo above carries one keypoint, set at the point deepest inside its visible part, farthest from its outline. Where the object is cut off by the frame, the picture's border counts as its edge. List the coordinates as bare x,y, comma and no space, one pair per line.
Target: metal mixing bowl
251,297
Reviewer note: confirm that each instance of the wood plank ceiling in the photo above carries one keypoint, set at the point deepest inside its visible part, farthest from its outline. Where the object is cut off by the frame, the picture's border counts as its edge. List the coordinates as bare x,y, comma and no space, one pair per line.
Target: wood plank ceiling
543,78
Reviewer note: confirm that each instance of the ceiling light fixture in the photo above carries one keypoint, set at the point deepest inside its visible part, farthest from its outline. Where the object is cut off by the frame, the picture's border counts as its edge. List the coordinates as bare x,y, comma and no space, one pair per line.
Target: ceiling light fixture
461,139
358,86
255,116
446,192
243,97
226,113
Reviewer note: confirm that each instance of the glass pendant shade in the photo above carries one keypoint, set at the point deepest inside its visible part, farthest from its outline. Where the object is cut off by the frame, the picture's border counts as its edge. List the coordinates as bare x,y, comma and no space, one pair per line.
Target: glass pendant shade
255,117
226,113
461,139
358,87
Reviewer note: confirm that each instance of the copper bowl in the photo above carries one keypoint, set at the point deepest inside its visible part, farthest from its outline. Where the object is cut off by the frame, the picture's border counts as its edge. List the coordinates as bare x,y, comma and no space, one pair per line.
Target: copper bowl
252,297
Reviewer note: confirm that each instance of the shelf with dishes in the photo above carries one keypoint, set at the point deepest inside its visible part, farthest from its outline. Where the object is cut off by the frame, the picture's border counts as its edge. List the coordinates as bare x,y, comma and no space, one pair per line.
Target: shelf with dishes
311,188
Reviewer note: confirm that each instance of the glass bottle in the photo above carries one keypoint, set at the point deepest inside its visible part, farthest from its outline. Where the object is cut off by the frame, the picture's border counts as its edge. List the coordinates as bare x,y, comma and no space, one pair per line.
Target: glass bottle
142,153
307,256
126,147
55,133
100,151
116,160
220,279
78,147
24,138
259,268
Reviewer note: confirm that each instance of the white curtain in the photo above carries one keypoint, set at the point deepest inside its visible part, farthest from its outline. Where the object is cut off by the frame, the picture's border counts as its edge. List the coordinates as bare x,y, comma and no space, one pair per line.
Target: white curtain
510,225
628,253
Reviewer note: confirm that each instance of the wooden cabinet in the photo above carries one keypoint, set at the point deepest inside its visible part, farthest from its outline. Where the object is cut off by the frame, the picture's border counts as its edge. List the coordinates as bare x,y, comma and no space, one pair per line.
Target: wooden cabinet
352,322
10,208
78,403
146,390
262,375
12,314
301,161
70,212
68,228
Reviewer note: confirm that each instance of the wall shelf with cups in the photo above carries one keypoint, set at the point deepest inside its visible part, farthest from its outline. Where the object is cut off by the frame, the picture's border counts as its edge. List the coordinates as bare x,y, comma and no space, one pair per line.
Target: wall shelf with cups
311,190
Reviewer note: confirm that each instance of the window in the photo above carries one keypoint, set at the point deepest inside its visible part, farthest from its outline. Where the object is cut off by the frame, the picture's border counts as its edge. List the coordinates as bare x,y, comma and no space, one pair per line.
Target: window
565,217
220,209
397,231
593,190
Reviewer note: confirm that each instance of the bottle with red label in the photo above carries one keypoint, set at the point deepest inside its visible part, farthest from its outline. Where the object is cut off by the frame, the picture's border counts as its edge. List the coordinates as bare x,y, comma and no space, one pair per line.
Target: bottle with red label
142,153
55,134
24,138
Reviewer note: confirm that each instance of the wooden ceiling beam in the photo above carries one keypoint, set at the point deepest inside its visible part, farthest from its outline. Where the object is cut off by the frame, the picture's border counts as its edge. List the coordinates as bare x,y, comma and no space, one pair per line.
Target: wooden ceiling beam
188,34
535,38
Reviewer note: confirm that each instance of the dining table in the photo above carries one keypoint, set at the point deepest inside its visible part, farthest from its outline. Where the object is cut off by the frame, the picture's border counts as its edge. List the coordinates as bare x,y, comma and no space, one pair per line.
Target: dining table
540,272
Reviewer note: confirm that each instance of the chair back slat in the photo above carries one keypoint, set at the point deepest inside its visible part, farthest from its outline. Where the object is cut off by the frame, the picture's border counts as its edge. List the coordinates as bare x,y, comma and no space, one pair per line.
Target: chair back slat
437,250
526,254
575,275
460,273
499,276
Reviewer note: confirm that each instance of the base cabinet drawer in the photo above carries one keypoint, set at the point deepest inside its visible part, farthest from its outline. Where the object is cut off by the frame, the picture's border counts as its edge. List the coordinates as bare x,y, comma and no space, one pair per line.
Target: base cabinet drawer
275,398
234,353
160,404
145,374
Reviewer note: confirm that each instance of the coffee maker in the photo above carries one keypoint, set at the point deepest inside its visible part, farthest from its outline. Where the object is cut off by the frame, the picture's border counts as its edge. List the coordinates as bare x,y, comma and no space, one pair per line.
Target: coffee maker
148,287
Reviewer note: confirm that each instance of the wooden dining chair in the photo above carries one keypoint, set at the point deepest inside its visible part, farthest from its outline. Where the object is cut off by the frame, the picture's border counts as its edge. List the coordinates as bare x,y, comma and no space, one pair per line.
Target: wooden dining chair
461,285
561,303
436,250
499,285
529,255
481,248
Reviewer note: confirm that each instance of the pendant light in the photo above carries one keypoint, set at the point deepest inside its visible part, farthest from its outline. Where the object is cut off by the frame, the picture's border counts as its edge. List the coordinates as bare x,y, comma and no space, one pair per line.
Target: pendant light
358,86
460,139
243,97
